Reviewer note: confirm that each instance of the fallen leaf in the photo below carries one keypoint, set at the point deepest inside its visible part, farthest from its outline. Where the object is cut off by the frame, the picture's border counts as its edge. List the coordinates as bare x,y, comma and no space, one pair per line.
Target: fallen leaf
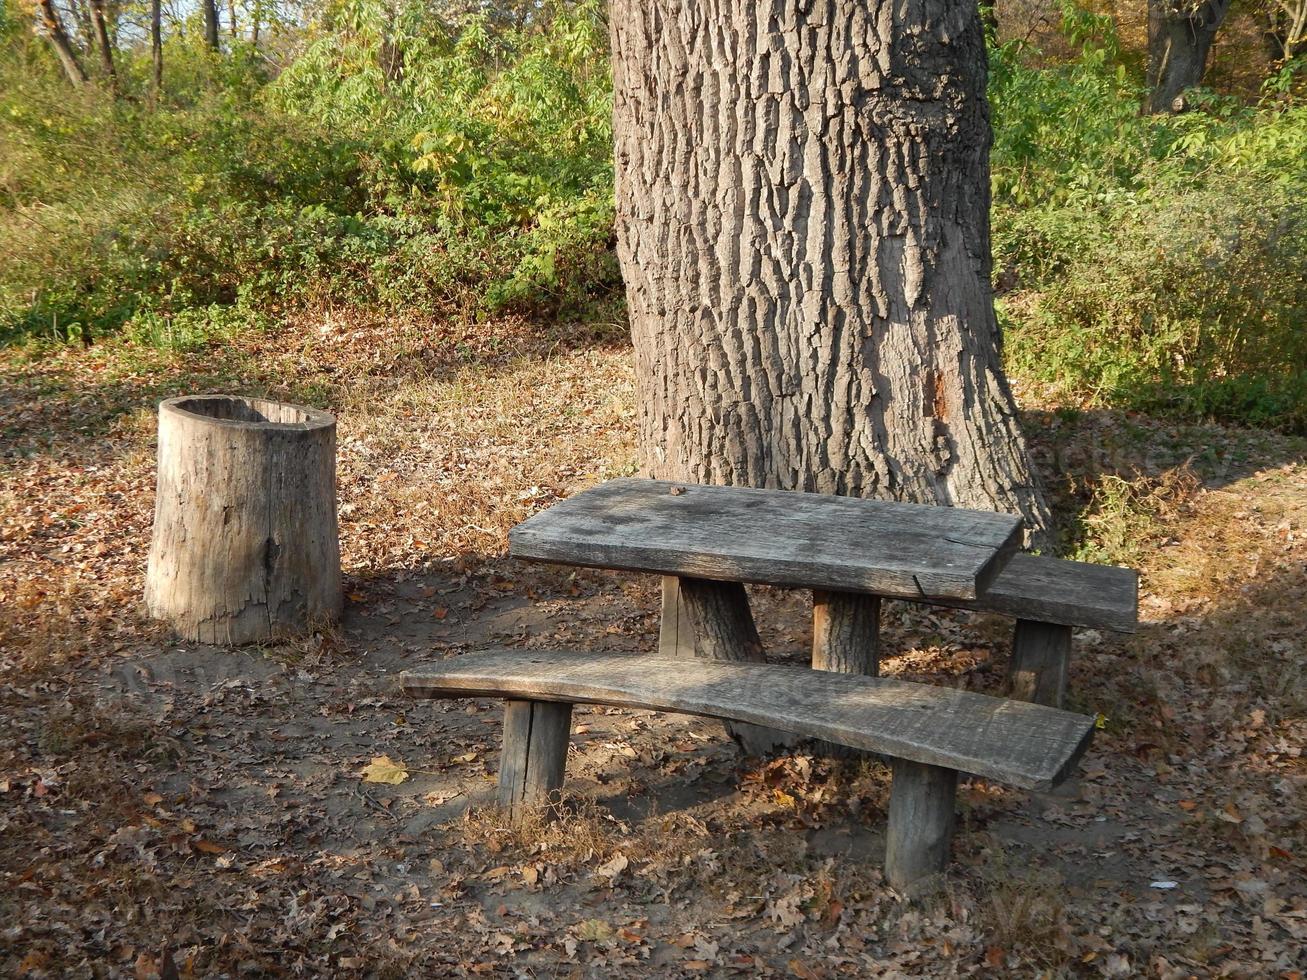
384,769
594,930
611,869
208,846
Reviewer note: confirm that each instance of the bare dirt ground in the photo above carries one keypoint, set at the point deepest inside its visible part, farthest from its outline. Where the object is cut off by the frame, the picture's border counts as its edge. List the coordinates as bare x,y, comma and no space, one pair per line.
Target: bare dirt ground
191,811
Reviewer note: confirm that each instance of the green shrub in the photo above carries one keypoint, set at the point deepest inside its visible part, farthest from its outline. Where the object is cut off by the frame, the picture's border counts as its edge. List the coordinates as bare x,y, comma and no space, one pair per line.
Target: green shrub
1159,262
477,179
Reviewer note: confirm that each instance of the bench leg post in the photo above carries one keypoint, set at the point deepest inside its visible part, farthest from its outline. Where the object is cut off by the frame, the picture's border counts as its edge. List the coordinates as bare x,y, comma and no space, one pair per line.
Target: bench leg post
724,630
920,828
845,639
1041,659
534,757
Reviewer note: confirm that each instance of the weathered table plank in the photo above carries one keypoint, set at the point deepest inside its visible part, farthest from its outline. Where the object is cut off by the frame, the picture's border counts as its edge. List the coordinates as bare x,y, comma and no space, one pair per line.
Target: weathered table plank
1026,745
774,537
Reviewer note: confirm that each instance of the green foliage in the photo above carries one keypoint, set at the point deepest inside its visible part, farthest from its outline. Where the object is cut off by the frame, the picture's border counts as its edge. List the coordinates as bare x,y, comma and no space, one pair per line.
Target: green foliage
1158,261
396,160
473,175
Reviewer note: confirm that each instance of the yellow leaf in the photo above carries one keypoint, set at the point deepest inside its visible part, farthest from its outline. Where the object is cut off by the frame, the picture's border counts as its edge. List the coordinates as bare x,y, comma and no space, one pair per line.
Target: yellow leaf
1100,720
384,769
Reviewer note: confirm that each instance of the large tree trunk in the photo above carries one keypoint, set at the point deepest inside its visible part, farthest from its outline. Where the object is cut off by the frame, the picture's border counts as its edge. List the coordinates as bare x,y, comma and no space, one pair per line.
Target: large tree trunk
53,26
1180,34
803,224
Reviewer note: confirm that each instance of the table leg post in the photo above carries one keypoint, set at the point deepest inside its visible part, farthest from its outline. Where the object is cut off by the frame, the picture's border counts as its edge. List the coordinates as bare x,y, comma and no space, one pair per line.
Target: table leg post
1041,660
724,630
845,639
534,757
846,632
676,631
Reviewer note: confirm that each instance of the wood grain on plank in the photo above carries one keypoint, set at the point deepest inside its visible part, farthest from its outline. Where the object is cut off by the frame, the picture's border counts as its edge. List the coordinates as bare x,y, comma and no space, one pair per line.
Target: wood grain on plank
1027,745
775,537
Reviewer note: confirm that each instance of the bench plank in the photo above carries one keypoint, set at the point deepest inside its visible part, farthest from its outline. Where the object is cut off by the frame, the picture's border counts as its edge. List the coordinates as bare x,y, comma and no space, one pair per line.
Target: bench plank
1055,590
775,537
1026,745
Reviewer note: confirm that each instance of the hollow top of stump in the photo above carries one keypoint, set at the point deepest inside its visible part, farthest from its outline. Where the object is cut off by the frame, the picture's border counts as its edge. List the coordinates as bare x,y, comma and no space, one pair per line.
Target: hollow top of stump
247,413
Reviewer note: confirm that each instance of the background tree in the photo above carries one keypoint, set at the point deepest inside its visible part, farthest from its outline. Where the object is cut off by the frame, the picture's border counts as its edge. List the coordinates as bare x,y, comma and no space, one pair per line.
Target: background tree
53,27
1180,34
210,8
103,42
1286,28
156,45
803,225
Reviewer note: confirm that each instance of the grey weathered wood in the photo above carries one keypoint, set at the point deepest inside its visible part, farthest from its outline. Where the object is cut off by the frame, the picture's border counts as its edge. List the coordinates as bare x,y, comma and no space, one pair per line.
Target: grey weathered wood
675,631
1054,590
533,763
723,629
1026,745
920,829
1041,660
845,632
245,544
845,639
773,536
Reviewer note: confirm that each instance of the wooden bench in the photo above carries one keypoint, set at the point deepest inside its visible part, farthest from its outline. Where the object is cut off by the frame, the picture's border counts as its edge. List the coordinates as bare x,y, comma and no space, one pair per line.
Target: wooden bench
1048,597
929,734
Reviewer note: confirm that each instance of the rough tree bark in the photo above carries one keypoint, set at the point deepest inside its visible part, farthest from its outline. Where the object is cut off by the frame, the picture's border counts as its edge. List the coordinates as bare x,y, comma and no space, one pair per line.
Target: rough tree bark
803,225
1180,34
53,26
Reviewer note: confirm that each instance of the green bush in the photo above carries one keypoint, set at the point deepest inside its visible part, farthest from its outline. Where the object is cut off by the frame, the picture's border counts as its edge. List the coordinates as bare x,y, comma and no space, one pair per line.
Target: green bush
1154,262
477,179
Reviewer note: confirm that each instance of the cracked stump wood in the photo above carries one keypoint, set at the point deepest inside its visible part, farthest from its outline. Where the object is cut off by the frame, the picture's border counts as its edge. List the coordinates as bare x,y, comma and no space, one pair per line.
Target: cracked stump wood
724,629
920,830
802,196
245,546
534,760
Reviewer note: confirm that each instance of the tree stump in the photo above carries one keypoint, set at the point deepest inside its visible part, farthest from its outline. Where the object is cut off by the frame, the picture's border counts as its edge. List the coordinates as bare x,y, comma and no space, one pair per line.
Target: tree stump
245,541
